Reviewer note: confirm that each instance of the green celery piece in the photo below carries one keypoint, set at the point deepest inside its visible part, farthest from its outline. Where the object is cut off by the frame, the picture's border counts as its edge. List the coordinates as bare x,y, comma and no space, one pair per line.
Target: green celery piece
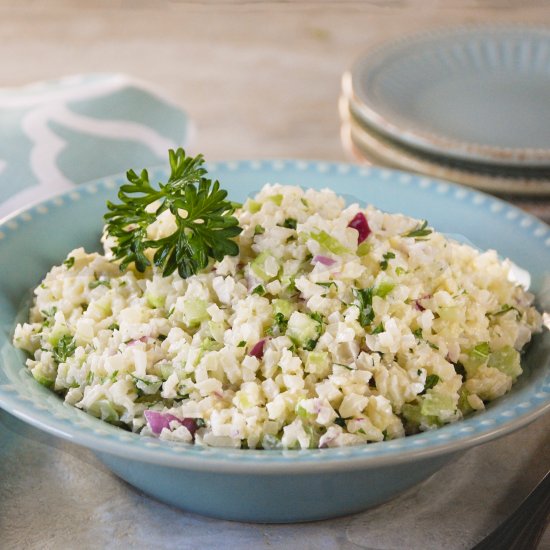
330,243
506,360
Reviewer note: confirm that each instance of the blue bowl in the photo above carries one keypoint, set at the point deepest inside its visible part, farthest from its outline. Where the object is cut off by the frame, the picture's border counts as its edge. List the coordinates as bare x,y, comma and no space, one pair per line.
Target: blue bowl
273,486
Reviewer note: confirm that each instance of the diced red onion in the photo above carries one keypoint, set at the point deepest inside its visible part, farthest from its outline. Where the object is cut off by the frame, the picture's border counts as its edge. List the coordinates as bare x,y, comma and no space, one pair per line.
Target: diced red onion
417,303
158,421
134,342
258,349
323,260
190,424
361,225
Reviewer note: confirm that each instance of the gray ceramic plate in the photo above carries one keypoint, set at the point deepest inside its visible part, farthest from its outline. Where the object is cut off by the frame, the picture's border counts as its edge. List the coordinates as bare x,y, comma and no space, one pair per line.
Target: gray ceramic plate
382,150
470,93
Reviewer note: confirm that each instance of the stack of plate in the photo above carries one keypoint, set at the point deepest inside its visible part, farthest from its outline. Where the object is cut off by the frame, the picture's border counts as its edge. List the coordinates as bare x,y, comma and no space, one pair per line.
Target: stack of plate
470,105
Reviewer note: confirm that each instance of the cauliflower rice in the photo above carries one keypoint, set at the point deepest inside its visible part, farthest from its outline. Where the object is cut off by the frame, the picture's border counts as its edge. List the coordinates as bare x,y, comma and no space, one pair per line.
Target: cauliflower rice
319,334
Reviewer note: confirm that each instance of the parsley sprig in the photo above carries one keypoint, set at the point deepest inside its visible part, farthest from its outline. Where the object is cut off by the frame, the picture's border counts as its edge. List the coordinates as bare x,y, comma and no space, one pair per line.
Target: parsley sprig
204,219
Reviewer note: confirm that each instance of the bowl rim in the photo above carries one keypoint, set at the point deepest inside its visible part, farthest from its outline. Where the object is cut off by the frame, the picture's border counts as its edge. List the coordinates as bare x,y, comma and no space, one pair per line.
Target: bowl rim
103,438
266,462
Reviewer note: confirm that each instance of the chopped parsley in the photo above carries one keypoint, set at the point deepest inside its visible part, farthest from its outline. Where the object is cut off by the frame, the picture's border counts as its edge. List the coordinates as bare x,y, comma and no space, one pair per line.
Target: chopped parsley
340,422
279,325
290,223
504,309
384,263
48,315
100,282
431,381
259,290
481,351
64,348
421,230
363,296
69,262
328,284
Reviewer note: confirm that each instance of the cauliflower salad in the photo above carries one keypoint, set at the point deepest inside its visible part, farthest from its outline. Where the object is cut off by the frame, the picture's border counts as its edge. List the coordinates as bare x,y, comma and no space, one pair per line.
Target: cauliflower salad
334,325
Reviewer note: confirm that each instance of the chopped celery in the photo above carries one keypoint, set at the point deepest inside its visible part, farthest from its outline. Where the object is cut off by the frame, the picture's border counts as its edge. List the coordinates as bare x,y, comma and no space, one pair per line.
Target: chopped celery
364,248
217,330
258,266
303,330
194,312
166,369
253,206
383,289
450,313
329,243
317,362
463,403
277,199
105,410
155,300
433,403
506,360
43,376
283,306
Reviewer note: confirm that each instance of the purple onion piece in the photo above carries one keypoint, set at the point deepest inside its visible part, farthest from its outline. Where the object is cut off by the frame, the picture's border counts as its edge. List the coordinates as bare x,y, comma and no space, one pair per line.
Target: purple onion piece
158,421
361,225
134,342
417,303
191,425
258,349
323,260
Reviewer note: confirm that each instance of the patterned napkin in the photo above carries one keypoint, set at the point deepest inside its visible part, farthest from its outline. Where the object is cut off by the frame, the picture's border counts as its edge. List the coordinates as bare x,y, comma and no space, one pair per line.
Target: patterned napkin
56,134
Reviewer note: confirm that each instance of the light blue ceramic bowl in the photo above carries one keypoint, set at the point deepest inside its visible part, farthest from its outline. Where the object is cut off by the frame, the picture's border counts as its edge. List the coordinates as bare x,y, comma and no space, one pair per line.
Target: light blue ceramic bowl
273,486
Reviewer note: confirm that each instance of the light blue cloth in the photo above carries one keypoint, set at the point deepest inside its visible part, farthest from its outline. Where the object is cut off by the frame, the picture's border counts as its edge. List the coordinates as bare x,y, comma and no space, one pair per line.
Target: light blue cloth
59,133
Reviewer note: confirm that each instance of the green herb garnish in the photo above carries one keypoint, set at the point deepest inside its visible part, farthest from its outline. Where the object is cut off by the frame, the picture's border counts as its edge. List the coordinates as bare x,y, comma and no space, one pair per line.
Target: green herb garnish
64,348
279,326
363,297
384,263
328,284
339,421
48,315
204,219
259,290
290,223
69,262
100,282
481,351
419,231
431,381
504,309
